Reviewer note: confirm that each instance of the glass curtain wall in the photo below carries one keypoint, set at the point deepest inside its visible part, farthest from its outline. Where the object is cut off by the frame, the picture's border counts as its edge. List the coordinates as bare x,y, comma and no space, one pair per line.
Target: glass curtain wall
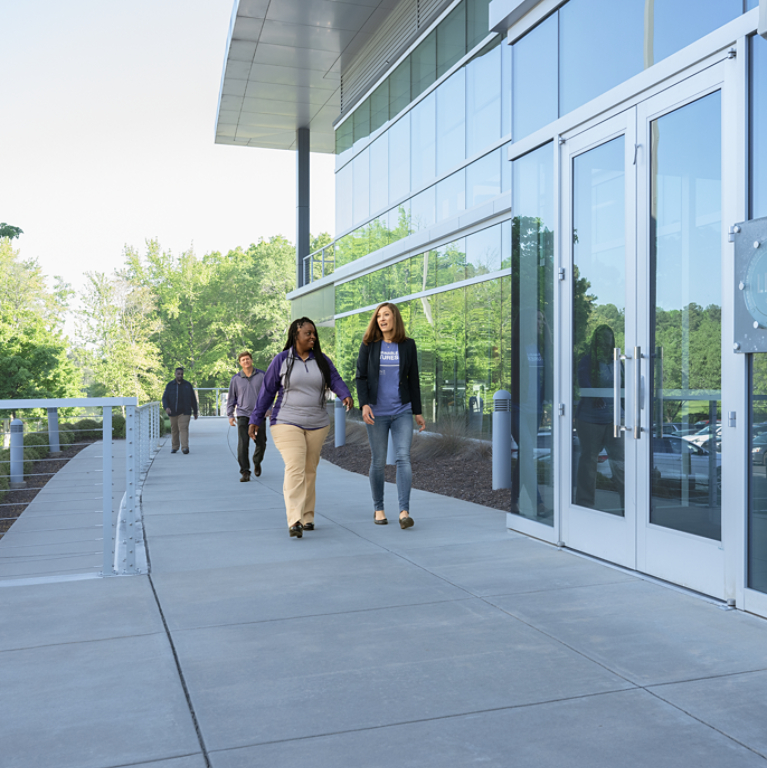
532,340
686,321
588,47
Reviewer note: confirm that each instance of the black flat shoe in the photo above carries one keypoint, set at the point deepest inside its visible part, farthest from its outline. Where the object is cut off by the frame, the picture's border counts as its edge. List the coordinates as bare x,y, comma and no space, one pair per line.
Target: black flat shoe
309,527
382,521
406,522
257,470
296,530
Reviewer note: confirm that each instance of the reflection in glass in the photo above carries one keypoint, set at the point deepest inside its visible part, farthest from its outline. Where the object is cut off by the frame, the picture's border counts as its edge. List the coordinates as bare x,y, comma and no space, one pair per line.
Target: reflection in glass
344,136
423,65
532,308
599,325
423,209
682,22
451,195
483,98
379,173
361,197
379,106
423,272
399,222
399,88
483,251
451,39
423,142
534,79
361,118
399,158
450,369
344,194
758,119
483,179
451,262
477,22
451,119
757,513
484,367
686,303
378,233
586,70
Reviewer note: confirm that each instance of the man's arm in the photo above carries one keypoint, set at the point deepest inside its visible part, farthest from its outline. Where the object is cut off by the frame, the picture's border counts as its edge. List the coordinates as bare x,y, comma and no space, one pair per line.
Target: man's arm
231,401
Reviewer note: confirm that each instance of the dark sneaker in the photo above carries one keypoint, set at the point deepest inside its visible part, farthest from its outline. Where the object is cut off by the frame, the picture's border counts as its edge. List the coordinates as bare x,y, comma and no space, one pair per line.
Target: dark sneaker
308,526
174,450
245,477
186,450
257,470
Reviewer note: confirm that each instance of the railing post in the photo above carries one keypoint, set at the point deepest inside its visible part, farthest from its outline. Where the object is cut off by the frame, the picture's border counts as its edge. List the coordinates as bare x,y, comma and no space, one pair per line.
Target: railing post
108,531
340,422
53,432
502,440
131,481
17,454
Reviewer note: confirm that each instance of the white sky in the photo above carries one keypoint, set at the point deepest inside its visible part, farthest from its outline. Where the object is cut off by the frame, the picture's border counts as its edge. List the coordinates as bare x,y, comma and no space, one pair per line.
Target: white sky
107,131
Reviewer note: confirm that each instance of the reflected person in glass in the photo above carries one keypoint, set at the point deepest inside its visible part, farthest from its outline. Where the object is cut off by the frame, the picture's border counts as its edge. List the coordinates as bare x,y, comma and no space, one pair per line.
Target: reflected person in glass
594,419
389,393
531,349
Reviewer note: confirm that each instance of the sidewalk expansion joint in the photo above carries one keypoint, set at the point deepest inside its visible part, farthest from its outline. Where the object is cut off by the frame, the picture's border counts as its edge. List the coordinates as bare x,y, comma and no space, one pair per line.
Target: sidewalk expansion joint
180,671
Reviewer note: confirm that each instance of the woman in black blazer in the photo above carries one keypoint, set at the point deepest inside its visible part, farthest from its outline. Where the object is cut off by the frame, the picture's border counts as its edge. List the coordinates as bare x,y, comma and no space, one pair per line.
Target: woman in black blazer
390,397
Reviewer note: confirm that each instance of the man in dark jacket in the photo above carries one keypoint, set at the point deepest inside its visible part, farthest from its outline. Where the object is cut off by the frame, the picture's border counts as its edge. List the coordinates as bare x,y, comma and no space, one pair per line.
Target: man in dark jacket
179,402
243,394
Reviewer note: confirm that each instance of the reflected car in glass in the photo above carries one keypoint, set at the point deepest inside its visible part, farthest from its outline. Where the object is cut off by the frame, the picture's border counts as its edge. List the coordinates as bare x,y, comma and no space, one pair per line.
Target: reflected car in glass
675,458
759,448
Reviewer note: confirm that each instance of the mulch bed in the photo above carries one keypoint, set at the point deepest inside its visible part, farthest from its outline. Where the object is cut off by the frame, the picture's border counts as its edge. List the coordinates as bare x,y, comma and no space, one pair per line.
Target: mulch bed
462,477
43,471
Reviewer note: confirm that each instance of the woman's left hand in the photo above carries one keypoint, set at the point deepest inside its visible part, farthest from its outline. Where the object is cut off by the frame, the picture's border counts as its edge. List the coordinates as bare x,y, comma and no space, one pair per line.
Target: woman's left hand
349,403
421,422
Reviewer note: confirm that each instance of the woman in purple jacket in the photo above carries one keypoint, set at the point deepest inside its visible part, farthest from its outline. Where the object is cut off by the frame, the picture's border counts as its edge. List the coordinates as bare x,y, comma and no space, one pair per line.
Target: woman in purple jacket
389,393
300,376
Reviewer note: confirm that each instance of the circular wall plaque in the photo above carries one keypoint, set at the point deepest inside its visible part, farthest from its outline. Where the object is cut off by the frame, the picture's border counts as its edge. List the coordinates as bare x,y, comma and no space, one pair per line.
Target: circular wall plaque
756,287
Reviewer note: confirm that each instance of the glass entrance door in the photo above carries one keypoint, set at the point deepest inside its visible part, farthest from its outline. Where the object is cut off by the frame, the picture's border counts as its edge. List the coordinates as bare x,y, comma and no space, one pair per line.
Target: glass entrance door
642,226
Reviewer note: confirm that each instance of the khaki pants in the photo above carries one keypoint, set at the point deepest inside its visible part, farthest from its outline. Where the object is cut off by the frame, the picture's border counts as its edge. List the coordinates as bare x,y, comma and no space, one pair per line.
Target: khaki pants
179,430
300,450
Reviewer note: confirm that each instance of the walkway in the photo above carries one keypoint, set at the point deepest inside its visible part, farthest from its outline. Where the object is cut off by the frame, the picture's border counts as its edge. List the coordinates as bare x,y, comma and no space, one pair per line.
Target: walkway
454,643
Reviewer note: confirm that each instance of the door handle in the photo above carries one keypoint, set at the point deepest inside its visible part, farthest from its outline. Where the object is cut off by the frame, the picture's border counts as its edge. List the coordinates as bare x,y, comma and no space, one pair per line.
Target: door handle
618,358
637,393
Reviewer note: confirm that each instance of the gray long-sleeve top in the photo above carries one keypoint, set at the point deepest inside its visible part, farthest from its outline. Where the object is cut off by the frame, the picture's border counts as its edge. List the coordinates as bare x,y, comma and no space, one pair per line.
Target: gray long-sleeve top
243,392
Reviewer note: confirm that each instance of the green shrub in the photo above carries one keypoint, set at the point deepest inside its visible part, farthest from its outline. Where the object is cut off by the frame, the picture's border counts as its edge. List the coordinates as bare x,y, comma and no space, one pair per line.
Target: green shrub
87,429
66,434
164,424
118,426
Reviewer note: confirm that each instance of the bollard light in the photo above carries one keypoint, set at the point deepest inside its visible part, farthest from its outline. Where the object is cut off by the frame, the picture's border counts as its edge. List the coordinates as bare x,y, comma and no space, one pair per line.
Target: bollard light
501,439
17,454
53,432
340,422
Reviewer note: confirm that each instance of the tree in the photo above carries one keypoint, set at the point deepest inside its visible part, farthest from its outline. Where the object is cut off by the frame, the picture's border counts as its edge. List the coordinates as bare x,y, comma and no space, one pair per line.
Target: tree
116,325
34,354
6,230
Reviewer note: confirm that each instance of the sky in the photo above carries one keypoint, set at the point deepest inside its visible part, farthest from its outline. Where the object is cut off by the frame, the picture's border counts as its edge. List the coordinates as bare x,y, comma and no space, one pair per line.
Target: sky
107,137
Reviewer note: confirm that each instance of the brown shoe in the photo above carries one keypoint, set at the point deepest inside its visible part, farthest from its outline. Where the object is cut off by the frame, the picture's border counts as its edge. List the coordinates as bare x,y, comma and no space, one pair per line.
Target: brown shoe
244,477
406,522
257,470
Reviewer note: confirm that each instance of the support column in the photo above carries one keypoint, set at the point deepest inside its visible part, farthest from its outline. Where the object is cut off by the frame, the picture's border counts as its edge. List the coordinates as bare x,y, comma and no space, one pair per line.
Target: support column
302,202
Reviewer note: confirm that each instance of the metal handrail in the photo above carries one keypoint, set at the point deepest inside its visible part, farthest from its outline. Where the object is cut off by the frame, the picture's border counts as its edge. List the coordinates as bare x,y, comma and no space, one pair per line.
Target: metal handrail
324,258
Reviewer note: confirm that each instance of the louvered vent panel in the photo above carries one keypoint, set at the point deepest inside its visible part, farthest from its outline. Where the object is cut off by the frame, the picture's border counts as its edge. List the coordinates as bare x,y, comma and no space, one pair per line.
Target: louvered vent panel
394,36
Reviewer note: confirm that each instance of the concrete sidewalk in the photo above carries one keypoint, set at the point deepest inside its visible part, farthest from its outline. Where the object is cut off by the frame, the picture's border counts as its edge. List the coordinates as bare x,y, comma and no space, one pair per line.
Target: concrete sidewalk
453,643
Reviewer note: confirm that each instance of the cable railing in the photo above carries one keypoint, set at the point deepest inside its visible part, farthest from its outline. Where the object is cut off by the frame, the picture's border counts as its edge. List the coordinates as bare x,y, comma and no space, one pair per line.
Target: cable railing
319,263
90,505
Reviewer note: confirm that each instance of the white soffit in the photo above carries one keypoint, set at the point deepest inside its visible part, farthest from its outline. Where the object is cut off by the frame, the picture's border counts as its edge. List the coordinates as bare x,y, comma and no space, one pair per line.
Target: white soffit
283,68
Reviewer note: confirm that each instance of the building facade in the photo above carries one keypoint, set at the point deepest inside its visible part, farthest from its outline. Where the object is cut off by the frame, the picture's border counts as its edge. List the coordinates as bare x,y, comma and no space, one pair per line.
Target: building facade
548,192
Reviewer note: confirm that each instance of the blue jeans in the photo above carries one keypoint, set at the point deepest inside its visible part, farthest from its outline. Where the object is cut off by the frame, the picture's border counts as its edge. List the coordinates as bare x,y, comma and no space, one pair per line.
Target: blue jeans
401,427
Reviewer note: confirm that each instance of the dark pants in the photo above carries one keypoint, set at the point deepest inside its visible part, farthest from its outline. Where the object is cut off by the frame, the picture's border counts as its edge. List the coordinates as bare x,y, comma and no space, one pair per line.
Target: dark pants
242,444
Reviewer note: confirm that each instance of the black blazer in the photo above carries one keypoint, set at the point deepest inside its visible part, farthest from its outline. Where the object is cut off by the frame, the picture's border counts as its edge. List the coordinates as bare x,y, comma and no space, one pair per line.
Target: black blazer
368,369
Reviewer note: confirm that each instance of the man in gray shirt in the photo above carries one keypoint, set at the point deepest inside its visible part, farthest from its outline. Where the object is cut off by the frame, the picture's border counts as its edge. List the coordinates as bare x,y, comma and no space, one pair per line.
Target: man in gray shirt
243,394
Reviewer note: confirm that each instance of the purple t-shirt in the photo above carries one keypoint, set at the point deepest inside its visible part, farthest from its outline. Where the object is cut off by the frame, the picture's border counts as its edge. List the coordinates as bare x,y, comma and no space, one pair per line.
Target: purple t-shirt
389,403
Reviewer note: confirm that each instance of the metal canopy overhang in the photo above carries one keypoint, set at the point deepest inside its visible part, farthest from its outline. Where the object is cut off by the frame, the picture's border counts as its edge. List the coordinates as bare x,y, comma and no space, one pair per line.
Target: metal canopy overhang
283,68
